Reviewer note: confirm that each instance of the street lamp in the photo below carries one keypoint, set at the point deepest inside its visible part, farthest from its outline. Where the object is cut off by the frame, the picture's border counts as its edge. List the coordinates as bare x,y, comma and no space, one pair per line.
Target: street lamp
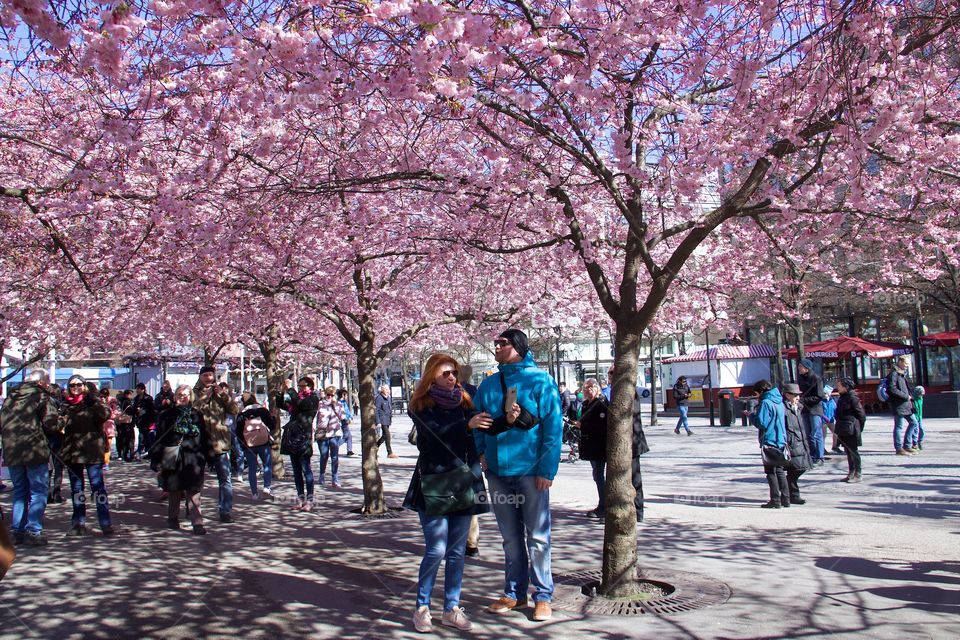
709,377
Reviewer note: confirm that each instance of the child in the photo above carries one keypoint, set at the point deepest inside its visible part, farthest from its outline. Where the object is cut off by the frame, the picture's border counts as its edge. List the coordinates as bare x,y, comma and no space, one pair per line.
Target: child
918,393
829,415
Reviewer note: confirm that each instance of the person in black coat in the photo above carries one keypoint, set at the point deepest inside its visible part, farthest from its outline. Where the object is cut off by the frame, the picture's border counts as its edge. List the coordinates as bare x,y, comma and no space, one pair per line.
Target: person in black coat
681,393
444,416
850,419
297,440
144,417
593,438
183,425
797,442
812,397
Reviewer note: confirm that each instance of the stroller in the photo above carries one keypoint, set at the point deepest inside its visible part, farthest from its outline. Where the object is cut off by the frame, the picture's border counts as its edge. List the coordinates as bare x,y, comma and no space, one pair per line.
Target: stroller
571,438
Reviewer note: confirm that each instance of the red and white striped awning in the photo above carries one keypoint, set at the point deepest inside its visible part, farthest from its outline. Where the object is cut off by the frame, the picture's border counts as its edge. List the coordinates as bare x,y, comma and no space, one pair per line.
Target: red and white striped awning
726,352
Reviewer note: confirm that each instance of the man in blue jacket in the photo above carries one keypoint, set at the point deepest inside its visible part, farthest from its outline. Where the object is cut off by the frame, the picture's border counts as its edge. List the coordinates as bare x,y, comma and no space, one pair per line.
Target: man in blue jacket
521,454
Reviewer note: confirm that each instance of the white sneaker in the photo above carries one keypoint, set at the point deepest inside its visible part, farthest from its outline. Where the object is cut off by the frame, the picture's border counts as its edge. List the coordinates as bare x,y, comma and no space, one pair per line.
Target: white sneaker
422,620
456,618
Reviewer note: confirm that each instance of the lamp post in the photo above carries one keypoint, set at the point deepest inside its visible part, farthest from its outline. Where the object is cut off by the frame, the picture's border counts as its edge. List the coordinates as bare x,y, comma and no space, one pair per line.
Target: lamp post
709,377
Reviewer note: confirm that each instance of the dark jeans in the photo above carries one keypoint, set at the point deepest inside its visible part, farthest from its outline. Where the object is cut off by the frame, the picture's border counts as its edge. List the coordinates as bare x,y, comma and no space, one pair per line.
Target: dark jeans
793,477
266,457
56,474
777,479
636,477
221,466
125,442
143,442
385,438
98,489
302,473
853,455
237,457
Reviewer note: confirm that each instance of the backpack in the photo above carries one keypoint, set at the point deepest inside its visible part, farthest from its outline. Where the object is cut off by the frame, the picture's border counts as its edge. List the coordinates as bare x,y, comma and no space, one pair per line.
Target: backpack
255,433
882,391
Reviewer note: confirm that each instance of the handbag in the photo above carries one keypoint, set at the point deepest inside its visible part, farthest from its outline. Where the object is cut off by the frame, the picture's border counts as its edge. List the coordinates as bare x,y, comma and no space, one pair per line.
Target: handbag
775,456
448,492
294,442
171,458
412,436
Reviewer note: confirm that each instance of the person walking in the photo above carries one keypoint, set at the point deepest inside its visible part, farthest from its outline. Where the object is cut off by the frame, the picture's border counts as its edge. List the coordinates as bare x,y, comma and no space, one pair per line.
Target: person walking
384,409
252,412
330,419
797,442
681,393
593,439
901,404
125,426
770,422
812,397
55,482
110,426
164,400
521,455
297,440
850,420
144,417
348,418
918,394
181,473
29,416
215,404
444,416
237,459
82,417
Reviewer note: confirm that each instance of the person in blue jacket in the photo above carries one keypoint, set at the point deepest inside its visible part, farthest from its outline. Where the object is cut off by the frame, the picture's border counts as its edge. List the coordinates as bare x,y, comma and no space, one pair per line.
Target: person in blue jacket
520,453
770,421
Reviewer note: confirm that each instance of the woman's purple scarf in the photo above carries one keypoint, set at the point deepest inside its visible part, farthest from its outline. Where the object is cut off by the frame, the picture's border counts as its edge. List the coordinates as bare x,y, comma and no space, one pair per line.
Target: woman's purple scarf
446,398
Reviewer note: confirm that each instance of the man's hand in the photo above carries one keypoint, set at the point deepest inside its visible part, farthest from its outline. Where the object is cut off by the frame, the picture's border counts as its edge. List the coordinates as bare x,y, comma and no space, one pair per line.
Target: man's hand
542,484
513,414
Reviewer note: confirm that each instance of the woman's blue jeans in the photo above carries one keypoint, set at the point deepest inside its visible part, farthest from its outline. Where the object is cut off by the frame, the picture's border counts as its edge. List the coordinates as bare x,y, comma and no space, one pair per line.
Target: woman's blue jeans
266,458
446,539
302,473
683,422
330,449
98,489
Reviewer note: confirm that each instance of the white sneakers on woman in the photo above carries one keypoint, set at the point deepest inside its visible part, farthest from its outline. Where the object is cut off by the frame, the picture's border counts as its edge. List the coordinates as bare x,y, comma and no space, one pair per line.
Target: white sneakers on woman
423,621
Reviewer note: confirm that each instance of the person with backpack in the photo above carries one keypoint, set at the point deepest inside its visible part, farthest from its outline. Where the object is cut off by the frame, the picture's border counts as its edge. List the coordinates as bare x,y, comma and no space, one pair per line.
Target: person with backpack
681,393
254,426
770,421
899,390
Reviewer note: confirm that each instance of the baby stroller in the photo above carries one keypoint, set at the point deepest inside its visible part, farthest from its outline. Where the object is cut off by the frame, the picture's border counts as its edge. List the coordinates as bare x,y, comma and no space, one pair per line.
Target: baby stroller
571,438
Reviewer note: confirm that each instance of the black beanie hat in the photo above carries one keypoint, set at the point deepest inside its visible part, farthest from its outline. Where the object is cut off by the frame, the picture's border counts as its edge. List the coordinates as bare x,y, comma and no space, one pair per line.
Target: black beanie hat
519,341
207,369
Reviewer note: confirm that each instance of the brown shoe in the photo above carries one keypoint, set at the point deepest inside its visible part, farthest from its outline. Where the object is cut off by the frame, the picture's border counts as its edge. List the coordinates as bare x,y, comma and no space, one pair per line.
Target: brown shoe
542,611
504,604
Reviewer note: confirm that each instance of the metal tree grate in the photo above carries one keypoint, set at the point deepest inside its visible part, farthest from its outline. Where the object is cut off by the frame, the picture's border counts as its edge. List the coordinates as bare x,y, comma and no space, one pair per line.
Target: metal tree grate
391,514
670,593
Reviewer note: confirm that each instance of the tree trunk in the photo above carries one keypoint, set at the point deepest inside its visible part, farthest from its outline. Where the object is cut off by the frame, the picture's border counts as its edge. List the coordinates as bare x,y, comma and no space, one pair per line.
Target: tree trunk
373,500
268,349
778,358
620,531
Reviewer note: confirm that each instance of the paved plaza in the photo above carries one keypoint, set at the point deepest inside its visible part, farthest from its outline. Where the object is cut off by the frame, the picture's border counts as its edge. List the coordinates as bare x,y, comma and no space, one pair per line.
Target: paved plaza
879,559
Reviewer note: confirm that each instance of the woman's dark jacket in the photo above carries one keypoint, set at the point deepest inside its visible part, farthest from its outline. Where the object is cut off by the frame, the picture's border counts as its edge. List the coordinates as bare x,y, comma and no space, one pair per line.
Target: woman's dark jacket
193,450
850,418
144,413
796,439
593,429
811,393
254,411
302,413
681,393
445,442
83,439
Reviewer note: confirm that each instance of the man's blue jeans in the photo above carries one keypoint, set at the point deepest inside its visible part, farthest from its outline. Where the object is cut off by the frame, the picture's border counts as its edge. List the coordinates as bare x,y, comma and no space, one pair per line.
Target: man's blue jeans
330,448
446,538
899,438
814,436
523,516
98,489
683,422
221,466
30,485
347,437
266,458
